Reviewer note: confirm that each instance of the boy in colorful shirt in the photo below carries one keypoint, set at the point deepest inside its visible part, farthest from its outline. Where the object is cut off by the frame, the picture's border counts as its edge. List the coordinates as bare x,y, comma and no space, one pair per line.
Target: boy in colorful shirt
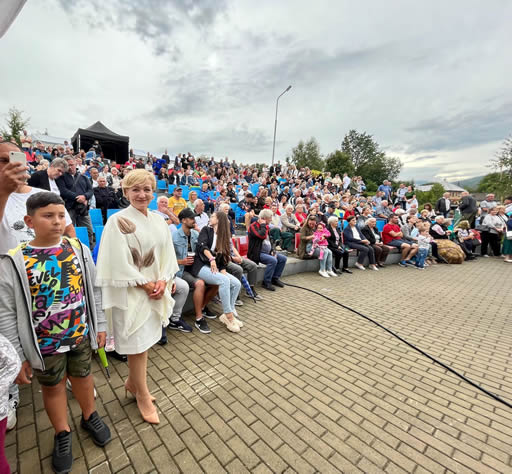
51,313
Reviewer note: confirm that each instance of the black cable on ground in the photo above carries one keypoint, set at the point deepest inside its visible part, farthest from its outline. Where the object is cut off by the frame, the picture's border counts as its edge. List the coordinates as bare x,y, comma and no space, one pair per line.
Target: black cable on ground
412,346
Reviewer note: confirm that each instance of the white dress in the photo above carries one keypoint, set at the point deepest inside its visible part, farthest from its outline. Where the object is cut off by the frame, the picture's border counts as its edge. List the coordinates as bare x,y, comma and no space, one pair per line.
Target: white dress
135,249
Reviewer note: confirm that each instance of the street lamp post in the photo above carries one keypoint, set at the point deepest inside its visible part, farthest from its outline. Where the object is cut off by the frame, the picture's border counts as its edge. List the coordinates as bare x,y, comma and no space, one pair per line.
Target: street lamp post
275,123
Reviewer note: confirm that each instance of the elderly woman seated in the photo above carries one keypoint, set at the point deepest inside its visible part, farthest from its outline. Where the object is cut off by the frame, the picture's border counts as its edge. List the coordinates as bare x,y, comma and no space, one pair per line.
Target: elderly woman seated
337,246
355,240
372,234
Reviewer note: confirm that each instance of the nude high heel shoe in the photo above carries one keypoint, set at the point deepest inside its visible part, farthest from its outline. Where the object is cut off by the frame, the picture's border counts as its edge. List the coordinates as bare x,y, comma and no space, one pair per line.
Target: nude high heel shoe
129,388
148,415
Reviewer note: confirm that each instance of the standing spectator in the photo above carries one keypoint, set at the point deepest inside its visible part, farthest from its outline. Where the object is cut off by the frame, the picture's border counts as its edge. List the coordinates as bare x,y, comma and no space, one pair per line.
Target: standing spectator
486,205
443,205
46,179
260,250
76,190
400,196
386,189
346,182
136,267
494,230
105,197
507,242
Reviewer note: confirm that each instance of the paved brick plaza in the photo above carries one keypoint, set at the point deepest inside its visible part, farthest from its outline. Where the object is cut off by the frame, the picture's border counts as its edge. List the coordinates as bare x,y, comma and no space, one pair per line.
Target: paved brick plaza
308,386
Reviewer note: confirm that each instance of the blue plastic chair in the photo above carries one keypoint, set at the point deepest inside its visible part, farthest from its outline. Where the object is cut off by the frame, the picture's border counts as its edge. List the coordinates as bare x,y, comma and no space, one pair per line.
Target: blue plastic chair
345,224
171,188
96,217
83,236
98,231
255,188
185,193
234,206
153,205
380,225
161,185
111,212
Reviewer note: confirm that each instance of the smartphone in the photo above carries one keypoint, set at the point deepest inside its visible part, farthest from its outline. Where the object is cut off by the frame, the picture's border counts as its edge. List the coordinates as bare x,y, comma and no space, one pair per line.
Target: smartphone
18,157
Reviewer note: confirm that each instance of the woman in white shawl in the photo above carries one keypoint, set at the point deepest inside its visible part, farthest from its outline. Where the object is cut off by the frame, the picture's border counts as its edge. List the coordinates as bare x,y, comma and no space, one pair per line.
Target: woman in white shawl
136,268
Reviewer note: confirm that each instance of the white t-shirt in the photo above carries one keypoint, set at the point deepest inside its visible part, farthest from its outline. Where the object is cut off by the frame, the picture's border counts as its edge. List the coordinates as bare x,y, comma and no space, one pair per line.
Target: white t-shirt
13,230
53,186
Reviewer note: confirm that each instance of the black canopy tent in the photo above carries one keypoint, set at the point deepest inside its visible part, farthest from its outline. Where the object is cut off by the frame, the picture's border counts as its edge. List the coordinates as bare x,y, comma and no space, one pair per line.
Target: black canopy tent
114,146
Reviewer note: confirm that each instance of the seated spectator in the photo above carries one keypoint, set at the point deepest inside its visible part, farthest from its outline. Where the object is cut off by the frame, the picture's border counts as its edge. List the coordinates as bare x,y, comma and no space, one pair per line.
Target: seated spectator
300,215
201,218
223,197
243,191
440,230
185,245
231,193
465,238
307,231
248,205
282,238
45,179
431,213
383,211
289,221
260,250
226,208
240,265
362,218
424,216
205,197
409,230
354,239
372,234
192,197
176,202
164,211
337,246
392,236
105,197
213,254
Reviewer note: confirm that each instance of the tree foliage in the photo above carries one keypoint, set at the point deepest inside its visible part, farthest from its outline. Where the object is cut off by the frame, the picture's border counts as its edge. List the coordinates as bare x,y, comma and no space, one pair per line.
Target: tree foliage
339,162
436,191
15,124
367,159
498,183
307,154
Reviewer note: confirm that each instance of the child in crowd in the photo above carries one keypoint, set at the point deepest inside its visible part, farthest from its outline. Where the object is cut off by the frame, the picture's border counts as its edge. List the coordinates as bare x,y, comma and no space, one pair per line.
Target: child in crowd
424,239
320,240
51,313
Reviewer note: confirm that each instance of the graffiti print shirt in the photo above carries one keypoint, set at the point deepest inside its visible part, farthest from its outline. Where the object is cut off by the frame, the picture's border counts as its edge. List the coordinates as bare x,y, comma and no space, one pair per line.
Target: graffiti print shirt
58,297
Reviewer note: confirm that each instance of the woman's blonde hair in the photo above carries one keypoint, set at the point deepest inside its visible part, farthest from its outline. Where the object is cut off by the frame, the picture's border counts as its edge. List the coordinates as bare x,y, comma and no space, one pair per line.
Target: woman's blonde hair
138,177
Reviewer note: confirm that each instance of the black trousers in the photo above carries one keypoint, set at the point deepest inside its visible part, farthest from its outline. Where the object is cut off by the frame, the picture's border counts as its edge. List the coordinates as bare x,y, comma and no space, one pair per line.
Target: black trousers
337,255
492,240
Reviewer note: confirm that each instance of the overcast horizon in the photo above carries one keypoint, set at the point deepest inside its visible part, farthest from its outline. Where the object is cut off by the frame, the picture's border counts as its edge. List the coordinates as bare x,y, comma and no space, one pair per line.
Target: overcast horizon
428,81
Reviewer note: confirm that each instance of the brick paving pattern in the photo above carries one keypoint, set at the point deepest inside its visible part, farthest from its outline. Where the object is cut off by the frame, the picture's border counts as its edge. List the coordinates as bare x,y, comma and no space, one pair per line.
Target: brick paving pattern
309,387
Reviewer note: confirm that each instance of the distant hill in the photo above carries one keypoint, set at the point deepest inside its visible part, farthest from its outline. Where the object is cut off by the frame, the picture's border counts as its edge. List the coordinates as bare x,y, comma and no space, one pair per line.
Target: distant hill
470,182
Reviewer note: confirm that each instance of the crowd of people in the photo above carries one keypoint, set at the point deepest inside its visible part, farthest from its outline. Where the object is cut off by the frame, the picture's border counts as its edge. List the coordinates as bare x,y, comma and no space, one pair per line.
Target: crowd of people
59,302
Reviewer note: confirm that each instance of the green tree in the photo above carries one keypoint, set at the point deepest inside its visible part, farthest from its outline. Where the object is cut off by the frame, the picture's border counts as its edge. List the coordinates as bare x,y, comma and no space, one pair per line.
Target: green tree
339,162
368,160
307,154
436,191
15,124
497,183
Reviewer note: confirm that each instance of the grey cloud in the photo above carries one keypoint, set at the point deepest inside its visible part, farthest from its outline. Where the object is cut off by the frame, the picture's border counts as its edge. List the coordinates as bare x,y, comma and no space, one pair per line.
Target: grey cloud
154,21
461,130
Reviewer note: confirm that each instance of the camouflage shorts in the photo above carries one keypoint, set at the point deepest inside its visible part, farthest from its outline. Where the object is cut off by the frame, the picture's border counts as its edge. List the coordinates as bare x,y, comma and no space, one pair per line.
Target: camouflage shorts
75,362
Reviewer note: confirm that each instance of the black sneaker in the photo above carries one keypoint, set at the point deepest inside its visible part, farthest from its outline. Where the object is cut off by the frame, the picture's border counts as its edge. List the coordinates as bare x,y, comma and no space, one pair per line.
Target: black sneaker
202,325
208,314
278,282
179,325
268,286
346,270
62,456
116,355
97,428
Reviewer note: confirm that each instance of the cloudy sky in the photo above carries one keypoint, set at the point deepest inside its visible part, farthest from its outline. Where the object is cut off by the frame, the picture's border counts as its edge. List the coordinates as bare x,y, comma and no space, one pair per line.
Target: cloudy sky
430,80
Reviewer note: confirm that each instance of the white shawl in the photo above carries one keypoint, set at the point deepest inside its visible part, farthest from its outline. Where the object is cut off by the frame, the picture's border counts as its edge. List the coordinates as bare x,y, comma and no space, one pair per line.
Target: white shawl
135,249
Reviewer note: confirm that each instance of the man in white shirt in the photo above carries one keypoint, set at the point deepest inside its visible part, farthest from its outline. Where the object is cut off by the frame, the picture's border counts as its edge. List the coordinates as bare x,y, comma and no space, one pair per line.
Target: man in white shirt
243,191
346,182
201,218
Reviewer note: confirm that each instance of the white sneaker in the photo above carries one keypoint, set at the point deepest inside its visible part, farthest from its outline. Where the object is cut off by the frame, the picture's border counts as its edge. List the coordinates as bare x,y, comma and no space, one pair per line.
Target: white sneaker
323,273
11,414
230,325
507,260
331,273
374,267
358,265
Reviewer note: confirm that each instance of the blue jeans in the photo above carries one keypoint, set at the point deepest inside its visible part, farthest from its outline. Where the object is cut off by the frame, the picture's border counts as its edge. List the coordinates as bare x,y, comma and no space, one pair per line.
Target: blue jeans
326,262
274,266
420,257
229,287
